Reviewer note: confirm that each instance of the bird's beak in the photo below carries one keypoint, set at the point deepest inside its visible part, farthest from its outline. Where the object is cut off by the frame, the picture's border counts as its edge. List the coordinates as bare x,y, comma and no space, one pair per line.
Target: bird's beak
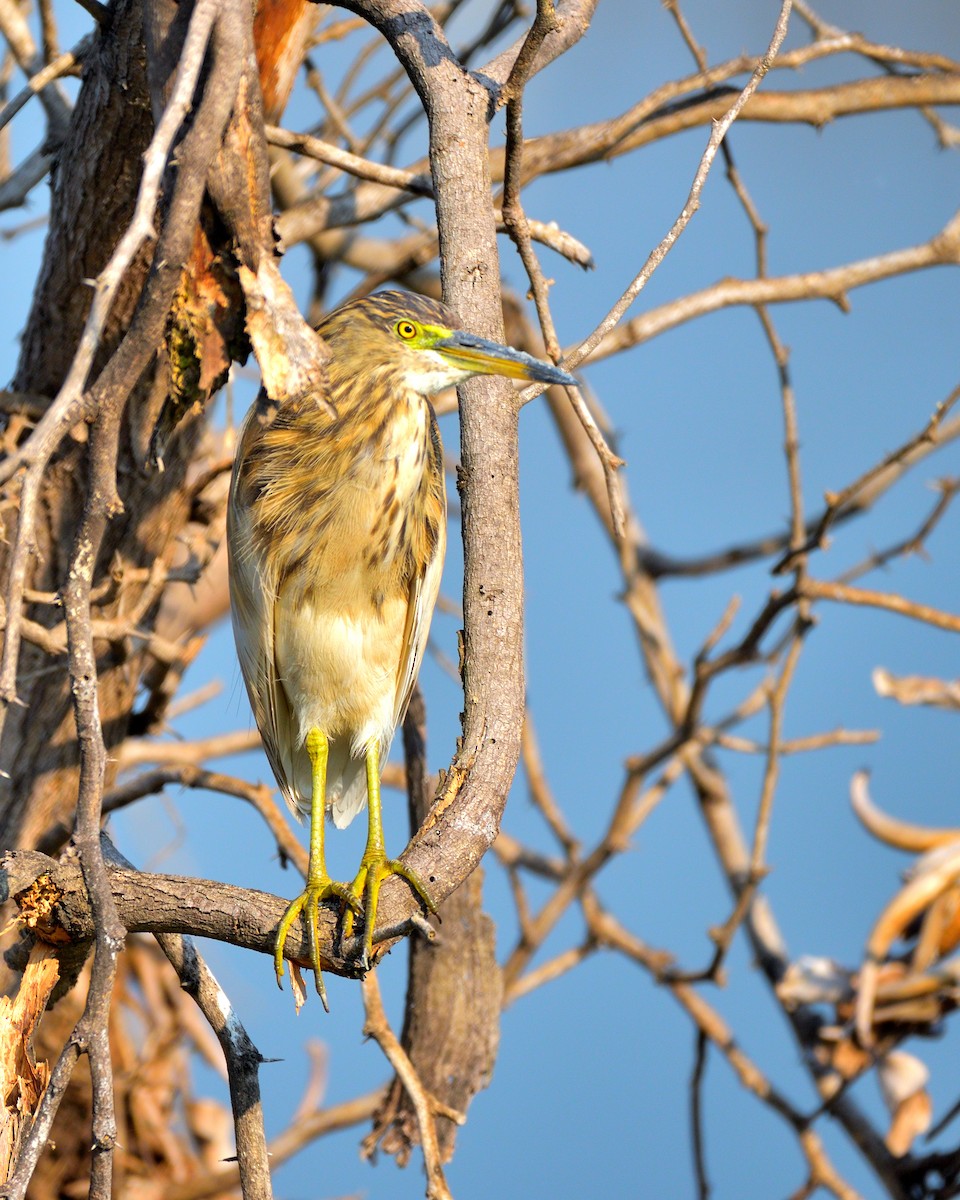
481,357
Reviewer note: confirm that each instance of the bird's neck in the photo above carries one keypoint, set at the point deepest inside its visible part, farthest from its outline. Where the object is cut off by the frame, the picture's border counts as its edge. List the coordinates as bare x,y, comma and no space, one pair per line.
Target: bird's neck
314,471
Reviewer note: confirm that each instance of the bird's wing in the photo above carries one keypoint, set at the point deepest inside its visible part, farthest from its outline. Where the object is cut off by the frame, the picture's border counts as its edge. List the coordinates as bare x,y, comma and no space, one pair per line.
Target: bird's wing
253,601
423,596
424,586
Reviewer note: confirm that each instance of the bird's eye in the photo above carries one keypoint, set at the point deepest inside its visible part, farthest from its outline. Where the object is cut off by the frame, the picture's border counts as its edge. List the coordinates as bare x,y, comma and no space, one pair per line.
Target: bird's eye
407,330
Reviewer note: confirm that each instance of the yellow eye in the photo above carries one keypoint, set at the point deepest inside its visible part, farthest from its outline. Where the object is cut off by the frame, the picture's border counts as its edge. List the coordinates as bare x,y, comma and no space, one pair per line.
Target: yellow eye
407,330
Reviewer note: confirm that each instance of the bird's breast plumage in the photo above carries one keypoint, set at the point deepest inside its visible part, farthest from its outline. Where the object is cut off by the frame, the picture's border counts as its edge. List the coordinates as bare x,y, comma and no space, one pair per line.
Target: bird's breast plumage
345,521
357,491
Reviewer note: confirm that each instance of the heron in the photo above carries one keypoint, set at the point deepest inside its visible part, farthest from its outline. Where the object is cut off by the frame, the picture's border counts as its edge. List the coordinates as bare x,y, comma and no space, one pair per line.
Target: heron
336,530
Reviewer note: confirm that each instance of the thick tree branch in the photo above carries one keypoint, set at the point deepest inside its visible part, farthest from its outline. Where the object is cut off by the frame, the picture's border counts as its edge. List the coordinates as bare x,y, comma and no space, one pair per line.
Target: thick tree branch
474,790
157,903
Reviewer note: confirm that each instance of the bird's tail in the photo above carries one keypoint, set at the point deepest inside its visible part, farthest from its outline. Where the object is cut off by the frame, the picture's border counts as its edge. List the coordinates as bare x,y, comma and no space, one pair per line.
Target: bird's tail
346,783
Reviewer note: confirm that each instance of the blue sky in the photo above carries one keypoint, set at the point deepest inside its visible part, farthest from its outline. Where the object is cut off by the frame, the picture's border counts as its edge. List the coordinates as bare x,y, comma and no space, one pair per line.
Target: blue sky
590,1094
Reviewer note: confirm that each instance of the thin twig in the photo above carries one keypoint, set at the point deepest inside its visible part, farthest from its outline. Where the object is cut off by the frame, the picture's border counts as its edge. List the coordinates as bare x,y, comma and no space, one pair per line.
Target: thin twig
697,1077
839,502
65,64
377,1027
242,1057
586,347
818,589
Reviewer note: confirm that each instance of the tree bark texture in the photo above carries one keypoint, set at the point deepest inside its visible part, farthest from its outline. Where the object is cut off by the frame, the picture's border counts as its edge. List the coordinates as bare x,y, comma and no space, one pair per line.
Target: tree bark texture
94,190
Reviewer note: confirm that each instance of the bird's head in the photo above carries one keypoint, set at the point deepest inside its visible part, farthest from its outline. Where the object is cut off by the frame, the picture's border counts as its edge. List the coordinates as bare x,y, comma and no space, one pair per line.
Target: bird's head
415,341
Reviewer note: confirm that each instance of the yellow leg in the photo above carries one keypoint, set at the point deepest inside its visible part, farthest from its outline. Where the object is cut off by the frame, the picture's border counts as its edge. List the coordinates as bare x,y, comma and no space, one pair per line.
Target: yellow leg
320,886
375,867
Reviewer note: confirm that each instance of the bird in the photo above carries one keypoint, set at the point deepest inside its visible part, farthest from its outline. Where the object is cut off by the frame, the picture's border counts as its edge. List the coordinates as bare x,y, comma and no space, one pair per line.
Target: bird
336,531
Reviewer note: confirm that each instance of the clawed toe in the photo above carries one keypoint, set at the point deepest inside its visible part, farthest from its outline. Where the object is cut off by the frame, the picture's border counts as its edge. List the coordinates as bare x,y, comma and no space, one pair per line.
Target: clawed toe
358,899
369,880
308,904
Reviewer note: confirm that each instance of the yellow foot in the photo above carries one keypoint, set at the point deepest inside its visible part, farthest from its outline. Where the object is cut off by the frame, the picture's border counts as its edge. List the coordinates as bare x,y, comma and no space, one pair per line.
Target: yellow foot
308,903
367,885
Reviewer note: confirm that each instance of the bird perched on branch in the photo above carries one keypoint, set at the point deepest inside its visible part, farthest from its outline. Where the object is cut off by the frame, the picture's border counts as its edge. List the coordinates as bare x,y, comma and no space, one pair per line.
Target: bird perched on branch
336,535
